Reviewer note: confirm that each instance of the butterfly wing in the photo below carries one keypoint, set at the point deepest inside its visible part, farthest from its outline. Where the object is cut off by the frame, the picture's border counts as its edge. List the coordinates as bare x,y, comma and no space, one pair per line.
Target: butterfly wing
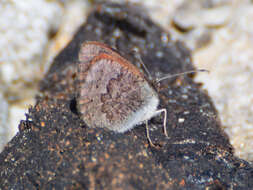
113,93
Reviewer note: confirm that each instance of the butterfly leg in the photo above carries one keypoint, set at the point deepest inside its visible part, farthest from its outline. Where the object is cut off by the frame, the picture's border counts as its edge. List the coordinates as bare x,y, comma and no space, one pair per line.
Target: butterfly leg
164,120
148,137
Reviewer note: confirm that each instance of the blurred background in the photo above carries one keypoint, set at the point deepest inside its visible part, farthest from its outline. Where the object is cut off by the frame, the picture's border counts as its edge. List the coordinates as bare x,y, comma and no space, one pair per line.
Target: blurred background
218,32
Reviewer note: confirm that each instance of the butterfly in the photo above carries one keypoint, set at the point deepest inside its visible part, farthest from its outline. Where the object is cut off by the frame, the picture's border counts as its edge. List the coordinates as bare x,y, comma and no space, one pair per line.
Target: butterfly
112,92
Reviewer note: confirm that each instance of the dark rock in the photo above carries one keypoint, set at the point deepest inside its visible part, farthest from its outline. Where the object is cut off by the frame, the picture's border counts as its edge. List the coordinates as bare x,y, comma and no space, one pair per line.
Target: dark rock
54,148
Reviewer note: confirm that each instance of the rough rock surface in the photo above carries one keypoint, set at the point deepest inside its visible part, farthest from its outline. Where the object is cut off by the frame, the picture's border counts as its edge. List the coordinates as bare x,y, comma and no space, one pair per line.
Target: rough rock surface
55,148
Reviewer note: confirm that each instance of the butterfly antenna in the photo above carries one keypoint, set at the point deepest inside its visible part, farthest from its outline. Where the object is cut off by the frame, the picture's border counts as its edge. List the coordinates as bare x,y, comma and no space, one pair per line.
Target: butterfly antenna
183,73
138,57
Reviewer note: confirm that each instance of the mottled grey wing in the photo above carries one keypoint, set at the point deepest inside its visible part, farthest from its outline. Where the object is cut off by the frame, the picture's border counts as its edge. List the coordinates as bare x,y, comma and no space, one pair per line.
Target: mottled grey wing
108,93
